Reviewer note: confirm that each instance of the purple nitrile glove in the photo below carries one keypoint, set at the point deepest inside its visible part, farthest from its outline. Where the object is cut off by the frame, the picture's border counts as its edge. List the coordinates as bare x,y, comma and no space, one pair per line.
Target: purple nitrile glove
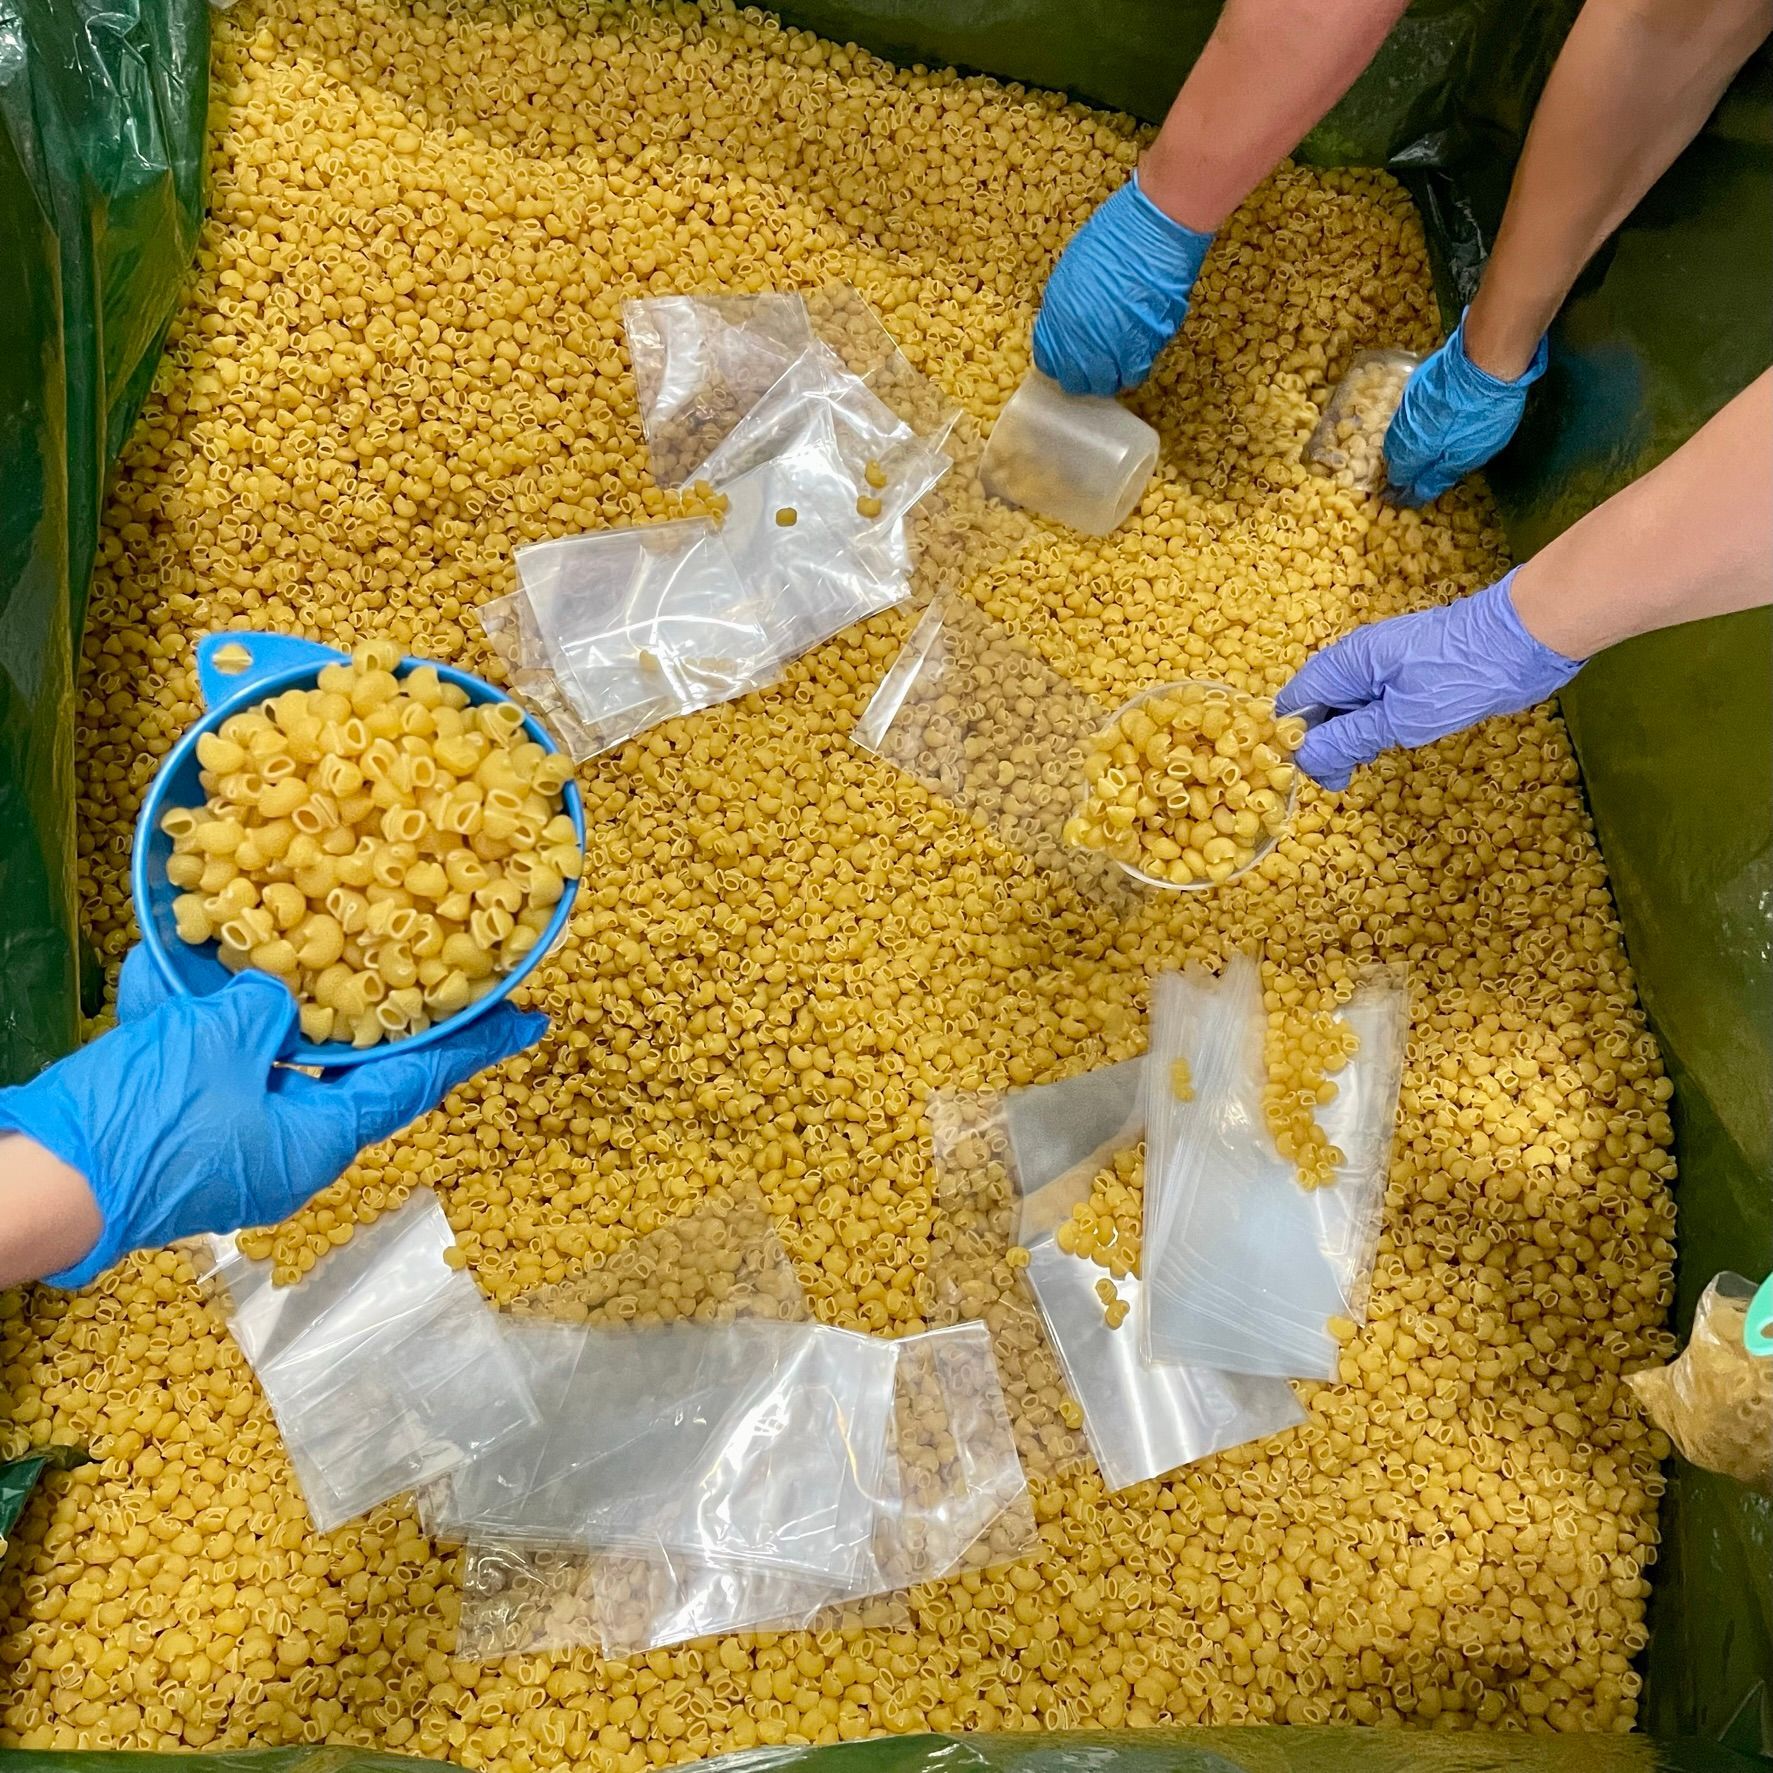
1453,418
1413,679
1117,296
180,1122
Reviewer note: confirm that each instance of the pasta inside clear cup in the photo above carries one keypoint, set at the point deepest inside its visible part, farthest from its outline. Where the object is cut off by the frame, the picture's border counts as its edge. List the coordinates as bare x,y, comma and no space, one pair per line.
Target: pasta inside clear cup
1189,785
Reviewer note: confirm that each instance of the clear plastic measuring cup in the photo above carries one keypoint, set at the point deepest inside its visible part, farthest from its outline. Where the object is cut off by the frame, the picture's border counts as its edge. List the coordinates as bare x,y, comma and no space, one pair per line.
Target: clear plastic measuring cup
1269,838
1079,459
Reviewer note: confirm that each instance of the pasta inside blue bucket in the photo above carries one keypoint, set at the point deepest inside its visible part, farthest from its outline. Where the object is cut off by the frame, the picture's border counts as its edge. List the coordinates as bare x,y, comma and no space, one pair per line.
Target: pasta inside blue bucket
239,673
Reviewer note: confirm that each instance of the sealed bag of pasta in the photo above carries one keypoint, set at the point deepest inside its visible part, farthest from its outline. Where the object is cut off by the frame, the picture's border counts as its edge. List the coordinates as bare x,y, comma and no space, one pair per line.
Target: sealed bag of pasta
1714,1400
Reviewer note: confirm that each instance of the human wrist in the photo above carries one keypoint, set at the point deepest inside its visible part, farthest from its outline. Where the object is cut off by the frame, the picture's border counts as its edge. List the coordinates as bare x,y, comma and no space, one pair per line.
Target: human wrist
1167,181
1546,621
50,1221
1508,349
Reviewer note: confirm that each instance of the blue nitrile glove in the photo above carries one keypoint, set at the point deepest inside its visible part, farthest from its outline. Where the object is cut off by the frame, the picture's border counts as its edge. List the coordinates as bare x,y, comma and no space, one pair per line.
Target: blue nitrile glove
180,1123
1453,418
1414,679
1117,296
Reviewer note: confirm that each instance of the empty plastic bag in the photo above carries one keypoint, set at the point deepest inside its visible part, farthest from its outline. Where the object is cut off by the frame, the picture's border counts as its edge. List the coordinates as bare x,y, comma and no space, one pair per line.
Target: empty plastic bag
1243,1268
951,1497
383,1366
1144,1420
819,477
756,1442
1183,1012
630,626
958,530
723,1465
974,713
1714,1400
846,325
721,1261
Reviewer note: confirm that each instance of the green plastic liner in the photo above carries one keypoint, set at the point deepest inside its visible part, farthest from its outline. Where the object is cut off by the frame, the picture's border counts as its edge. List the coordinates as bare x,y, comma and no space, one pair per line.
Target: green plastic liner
101,173
1243,1749
20,1477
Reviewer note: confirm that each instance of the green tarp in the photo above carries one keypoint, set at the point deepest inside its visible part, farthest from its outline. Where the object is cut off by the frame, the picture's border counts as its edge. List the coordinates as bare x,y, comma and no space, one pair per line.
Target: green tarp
19,1477
1268,1749
100,173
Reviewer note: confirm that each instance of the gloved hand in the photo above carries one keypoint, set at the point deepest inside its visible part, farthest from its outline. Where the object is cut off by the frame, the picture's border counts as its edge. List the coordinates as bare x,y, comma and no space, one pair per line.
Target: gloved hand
180,1123
1117,296
1453,418
1414,679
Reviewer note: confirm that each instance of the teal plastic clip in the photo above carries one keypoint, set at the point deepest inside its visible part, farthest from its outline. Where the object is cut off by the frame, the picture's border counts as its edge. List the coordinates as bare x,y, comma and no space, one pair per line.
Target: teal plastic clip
1757,1327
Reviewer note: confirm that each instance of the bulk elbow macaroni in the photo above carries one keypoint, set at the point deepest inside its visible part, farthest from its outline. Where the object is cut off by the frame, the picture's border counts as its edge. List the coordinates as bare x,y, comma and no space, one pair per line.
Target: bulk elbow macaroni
401,357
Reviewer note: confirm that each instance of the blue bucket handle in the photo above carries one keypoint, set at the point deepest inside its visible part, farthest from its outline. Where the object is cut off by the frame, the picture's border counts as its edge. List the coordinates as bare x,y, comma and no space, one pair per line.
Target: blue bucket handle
267,656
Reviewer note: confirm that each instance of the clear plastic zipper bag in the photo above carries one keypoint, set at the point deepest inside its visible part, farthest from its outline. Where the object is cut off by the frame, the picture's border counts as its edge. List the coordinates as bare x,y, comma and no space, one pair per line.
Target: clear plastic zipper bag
1144,1420
1243,1267
849,483
755,1442
819,478
384,1367
974,713
721,1262
701,362
609,633
1011,1171
754,1448
951,1497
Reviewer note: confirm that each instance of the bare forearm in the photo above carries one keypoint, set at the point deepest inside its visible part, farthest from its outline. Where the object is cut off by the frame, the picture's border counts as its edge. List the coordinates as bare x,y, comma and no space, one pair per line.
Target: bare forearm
1692,538
1633,84
48,1217
1269,72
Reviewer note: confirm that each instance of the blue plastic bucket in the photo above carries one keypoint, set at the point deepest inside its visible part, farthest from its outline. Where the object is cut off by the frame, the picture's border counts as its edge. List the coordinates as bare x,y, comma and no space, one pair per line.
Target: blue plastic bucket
274,663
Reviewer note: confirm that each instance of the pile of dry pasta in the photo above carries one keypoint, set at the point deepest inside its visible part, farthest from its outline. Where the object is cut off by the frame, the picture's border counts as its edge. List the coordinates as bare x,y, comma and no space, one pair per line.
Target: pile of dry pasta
401,357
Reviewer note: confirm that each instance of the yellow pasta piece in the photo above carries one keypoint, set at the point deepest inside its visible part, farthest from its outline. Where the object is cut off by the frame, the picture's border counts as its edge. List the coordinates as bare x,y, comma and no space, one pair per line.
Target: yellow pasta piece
276,957
192,920
184,871
466,956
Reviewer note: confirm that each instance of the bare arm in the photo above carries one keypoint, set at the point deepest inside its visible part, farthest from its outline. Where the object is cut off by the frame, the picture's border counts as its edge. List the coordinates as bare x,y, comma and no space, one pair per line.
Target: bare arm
1632,86
48,1216
1269,72
1692,538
